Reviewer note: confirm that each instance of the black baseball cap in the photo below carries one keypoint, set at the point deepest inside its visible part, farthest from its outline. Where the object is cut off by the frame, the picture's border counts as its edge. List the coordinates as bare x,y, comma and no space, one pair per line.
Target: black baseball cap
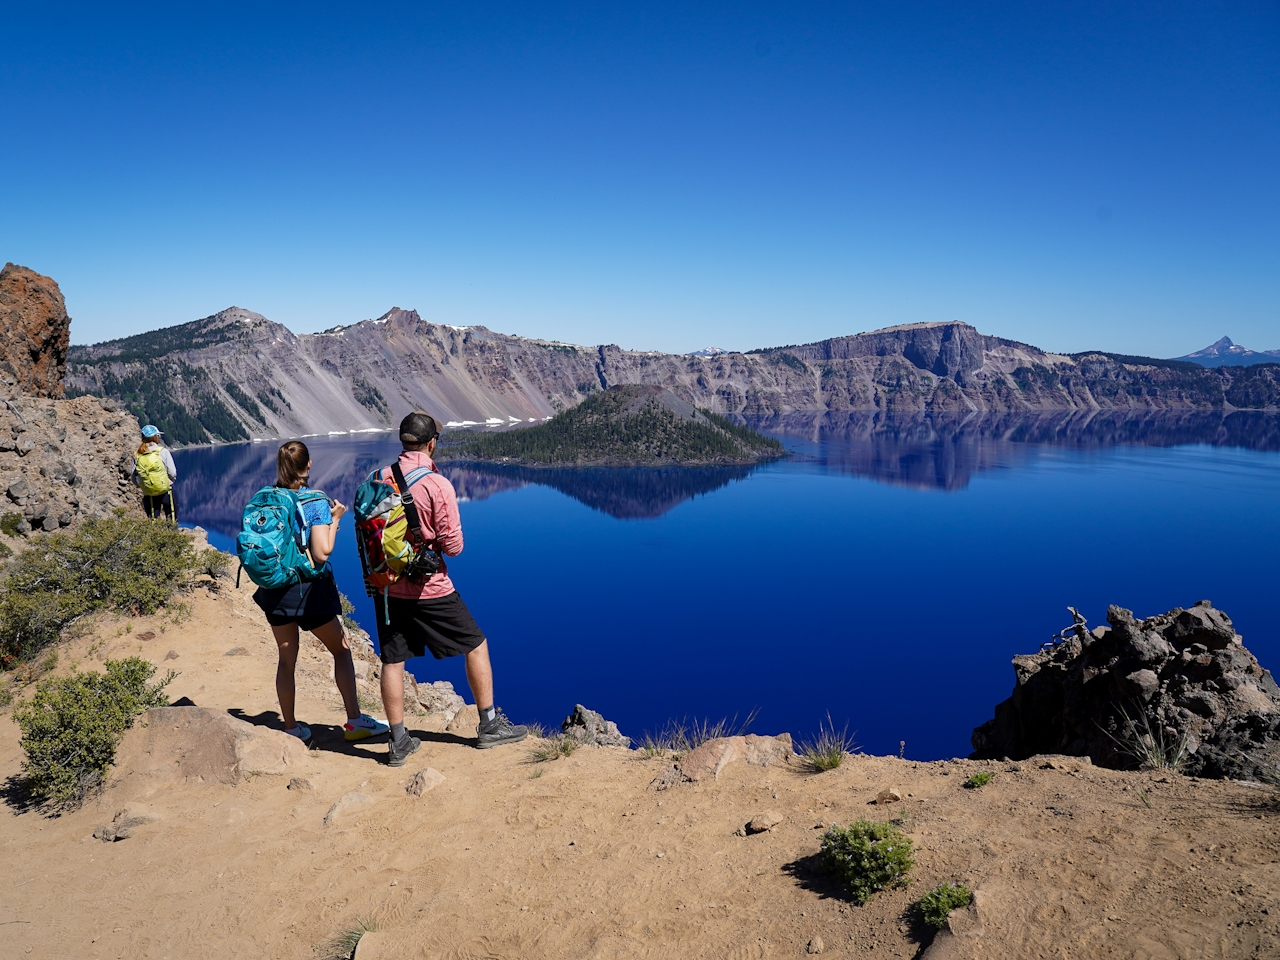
419,428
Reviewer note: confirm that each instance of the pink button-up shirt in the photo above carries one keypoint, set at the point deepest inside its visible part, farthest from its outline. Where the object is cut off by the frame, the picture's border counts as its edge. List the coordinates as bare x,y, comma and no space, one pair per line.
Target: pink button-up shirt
437,506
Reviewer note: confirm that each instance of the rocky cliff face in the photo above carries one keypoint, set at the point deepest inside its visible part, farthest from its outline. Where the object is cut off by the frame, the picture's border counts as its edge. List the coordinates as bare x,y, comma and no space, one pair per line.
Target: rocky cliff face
1178,687
237,375
34,333
61,460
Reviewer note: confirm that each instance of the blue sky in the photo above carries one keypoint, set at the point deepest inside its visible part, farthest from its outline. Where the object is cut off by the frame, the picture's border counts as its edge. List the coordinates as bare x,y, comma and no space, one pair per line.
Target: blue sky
658,176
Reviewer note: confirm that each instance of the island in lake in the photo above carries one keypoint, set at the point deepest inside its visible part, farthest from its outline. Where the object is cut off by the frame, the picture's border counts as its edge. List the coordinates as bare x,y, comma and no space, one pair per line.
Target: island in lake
624,425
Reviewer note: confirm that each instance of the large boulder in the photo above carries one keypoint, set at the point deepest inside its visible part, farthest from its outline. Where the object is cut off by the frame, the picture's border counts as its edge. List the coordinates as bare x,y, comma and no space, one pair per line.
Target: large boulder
35,332
203,744
1182,680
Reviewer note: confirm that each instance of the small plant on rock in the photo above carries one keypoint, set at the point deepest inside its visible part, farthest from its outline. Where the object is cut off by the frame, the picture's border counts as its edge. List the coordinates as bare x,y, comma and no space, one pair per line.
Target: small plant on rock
71,727
979,779
936,905
1147,745
828,749
867,857
9,524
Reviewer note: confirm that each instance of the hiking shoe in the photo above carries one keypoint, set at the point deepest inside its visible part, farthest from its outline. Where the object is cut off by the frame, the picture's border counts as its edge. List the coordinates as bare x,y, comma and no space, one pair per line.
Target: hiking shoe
398,753
363,727
301,731
499,730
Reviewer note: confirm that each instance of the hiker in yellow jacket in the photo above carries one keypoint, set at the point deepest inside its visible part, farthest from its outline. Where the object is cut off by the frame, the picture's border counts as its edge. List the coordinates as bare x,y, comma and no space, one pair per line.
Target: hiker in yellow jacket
154,472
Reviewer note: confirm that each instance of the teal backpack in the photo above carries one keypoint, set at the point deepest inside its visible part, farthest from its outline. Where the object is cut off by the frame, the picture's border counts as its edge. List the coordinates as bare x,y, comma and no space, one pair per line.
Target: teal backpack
270,543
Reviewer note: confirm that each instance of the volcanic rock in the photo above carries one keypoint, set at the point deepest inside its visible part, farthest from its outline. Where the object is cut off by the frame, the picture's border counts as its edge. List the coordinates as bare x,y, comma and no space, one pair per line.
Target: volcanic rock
587,726
35,332
711,757
204,744
1180,682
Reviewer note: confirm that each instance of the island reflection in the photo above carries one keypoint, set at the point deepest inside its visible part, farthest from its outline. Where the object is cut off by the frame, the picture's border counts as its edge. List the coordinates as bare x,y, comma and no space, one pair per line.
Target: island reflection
942,452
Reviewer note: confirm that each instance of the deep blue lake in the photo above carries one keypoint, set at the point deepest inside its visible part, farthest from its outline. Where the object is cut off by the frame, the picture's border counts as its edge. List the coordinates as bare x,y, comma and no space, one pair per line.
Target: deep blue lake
885,574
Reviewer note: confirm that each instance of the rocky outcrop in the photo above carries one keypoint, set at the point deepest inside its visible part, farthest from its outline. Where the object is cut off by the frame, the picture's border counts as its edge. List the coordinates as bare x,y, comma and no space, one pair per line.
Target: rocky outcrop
64,459
587,726
205,745
1144,692
237,375
710,758
34,334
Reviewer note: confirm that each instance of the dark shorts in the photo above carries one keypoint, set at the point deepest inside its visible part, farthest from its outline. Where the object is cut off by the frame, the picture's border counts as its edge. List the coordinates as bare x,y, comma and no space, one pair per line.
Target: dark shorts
304,622
310,604
442,625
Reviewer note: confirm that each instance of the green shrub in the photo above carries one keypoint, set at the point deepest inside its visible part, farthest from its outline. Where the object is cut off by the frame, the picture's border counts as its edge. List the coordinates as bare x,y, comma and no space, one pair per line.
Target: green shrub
348,608
215,563
71,727
867,857
9,524
123,563
936,905
980,779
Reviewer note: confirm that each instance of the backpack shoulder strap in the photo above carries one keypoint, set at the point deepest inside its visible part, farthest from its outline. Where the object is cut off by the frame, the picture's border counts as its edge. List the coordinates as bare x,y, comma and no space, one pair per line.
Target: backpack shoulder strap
406,499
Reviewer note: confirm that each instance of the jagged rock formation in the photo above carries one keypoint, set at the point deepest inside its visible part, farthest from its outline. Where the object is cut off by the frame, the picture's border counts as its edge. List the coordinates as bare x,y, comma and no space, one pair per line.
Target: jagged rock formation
1180,679
34,333
587,726
237,375
64,459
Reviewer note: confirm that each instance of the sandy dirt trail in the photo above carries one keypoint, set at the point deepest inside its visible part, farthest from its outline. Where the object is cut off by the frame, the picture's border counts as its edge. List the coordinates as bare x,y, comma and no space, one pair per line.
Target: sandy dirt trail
580,858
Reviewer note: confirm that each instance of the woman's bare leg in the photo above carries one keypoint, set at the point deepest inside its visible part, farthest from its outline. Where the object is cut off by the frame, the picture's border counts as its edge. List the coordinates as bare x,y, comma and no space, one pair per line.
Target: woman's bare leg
334,637
287,642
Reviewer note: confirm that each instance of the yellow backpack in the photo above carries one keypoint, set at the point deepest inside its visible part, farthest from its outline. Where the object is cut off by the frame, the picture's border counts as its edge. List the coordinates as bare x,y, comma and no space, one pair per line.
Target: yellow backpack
153,477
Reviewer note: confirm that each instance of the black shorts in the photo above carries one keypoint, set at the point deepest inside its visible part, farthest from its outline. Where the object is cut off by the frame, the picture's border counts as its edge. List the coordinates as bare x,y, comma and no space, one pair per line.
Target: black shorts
304,622
309,604
442,625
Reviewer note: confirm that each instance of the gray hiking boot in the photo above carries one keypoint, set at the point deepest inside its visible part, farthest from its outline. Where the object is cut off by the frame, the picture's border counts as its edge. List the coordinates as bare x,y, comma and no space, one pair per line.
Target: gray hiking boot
398,753
499,730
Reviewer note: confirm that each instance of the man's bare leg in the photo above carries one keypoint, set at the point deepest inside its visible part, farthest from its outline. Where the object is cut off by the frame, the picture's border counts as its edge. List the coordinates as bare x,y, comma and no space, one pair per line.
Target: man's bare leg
480,676
393,692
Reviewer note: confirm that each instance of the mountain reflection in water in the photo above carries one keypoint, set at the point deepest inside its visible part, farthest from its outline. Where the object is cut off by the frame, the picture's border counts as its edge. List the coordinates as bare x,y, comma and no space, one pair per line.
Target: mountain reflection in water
944,451
924,451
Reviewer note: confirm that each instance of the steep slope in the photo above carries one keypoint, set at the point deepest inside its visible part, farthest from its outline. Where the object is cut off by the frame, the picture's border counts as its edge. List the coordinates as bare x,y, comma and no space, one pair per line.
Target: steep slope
237,375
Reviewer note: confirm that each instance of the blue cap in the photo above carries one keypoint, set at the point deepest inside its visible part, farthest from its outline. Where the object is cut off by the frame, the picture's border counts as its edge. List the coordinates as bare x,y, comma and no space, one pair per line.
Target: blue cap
150,431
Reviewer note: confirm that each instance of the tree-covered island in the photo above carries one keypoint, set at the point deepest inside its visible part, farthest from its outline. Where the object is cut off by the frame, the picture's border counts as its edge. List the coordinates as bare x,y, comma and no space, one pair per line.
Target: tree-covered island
628,424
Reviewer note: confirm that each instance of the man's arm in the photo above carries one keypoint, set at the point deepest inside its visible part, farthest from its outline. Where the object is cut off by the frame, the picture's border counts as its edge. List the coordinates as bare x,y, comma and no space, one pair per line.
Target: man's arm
444,518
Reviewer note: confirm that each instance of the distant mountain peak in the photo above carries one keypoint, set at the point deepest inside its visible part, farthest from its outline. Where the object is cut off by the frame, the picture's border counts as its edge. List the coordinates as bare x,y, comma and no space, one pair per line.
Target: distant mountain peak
1225,352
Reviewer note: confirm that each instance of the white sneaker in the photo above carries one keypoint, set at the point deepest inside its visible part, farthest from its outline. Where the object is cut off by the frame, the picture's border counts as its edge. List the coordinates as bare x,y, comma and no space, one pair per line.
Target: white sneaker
301,731
363,727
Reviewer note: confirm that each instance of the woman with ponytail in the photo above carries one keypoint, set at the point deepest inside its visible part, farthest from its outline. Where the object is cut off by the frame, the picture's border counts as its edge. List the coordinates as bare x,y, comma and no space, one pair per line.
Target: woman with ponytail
313,605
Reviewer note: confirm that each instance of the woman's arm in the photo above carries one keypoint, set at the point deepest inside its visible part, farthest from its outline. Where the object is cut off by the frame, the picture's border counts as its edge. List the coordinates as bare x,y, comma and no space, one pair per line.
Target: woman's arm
323,536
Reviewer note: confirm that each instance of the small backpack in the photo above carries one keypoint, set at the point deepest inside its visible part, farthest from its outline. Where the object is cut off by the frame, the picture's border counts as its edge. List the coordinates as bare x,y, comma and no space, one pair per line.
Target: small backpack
152,473
385,539
270,543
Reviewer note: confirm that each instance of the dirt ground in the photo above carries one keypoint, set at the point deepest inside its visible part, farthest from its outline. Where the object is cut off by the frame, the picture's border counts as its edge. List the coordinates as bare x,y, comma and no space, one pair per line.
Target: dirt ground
579,858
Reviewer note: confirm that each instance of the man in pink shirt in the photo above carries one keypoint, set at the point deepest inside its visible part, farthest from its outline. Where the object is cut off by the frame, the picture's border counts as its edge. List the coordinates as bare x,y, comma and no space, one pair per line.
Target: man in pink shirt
427,613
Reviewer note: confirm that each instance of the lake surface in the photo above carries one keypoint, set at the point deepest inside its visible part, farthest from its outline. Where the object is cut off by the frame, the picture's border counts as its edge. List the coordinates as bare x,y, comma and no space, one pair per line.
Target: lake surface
885,574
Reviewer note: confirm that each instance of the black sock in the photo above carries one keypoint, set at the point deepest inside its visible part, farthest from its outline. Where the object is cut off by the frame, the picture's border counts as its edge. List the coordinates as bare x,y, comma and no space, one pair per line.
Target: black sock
487,714
397,732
